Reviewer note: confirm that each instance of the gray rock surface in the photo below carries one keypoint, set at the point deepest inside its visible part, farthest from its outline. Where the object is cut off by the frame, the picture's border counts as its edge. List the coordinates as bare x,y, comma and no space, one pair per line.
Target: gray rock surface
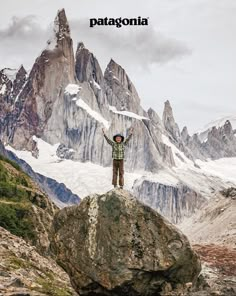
50,74
169,122
215,143
24,272
120,91
173,202
114,245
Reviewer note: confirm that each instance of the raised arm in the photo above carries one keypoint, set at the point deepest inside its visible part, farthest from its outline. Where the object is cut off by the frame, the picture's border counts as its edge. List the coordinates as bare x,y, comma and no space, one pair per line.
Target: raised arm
109,141
129,136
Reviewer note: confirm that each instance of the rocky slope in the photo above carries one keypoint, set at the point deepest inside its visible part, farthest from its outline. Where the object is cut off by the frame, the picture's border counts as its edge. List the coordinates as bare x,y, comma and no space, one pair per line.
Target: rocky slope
57,192
218,271
121,247
23,271
24,209
214,222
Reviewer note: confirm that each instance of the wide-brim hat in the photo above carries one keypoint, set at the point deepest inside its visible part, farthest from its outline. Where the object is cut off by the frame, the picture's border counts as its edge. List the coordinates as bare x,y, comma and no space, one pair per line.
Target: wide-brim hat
118,135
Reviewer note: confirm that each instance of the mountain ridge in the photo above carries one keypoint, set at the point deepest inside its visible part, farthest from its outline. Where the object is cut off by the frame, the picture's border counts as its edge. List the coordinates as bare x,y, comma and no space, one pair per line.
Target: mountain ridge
73,100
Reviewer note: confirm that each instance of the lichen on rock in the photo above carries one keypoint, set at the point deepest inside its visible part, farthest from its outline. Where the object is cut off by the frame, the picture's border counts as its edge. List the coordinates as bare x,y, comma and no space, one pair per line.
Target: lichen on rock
112,244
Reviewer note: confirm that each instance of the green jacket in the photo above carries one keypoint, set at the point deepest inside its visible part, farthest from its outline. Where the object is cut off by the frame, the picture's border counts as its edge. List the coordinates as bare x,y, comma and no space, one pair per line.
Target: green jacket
118,149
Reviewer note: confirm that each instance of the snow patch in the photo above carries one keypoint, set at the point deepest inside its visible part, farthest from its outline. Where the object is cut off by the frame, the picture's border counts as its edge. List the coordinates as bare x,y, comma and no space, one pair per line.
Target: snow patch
3,89
72,89
225,168
85,178
10,73
127,113
96,85
114,77
81,103
82,178
176,152
165,177
17,97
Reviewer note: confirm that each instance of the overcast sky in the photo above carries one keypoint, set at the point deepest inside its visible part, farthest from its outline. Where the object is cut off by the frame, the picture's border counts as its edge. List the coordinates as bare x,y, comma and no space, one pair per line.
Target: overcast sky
186,54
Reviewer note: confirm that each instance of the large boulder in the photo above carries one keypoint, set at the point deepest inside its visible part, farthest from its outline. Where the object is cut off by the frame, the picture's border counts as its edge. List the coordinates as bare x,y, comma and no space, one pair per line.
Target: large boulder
112,244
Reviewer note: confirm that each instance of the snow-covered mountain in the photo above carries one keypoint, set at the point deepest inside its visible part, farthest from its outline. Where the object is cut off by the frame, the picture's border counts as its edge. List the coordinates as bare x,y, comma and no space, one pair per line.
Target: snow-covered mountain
53,119
218,124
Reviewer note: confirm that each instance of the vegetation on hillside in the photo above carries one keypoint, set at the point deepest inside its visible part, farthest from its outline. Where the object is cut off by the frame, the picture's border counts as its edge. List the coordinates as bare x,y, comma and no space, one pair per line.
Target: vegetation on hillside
17,194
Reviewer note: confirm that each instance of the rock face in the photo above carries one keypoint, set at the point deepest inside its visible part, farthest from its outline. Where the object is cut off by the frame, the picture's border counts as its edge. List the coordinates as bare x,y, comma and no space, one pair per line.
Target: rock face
69,101
215,143
169,121
23,271
173,202
121,92
172,131
11,84
51,72
114,245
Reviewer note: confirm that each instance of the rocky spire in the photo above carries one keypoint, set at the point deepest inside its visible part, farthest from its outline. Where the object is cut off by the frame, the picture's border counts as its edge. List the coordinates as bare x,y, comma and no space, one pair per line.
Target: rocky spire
19,81
52,71
121,91
154,117
87,67
169,121
185,135
61,30
119,73
221,142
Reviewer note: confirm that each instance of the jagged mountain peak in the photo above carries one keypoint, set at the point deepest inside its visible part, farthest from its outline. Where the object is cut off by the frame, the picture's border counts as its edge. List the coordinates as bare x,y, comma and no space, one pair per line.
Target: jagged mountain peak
167,116
185,134
61,25
169,121
154,116
22,69
116,69
8,73
168,108
80,46
61,30
87,67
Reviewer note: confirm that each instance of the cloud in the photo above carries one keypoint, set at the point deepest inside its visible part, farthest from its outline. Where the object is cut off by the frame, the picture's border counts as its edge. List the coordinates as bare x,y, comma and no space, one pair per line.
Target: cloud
24,38
26,27
142,46
22,41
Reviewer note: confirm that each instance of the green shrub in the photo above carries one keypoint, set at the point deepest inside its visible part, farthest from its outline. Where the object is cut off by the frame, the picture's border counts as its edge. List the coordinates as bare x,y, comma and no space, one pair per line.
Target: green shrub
16,219
13,163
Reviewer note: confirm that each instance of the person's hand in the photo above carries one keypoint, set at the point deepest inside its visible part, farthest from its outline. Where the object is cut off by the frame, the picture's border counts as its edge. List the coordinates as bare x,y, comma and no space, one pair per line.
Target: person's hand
131,130
103,131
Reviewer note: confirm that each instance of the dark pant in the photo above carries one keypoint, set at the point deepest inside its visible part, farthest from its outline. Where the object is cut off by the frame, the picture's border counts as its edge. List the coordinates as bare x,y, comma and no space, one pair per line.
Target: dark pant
118,166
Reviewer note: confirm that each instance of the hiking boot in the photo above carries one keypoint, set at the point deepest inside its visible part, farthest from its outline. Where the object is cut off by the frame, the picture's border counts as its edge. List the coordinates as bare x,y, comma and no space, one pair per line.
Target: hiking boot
121,187
115,186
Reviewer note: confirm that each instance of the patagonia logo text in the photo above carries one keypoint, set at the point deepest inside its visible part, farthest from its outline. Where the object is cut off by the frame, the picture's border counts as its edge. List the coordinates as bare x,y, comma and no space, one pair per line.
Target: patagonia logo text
119,22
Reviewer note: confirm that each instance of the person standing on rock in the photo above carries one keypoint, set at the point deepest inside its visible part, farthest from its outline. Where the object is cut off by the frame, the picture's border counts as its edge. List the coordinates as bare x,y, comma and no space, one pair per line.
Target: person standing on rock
118,153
